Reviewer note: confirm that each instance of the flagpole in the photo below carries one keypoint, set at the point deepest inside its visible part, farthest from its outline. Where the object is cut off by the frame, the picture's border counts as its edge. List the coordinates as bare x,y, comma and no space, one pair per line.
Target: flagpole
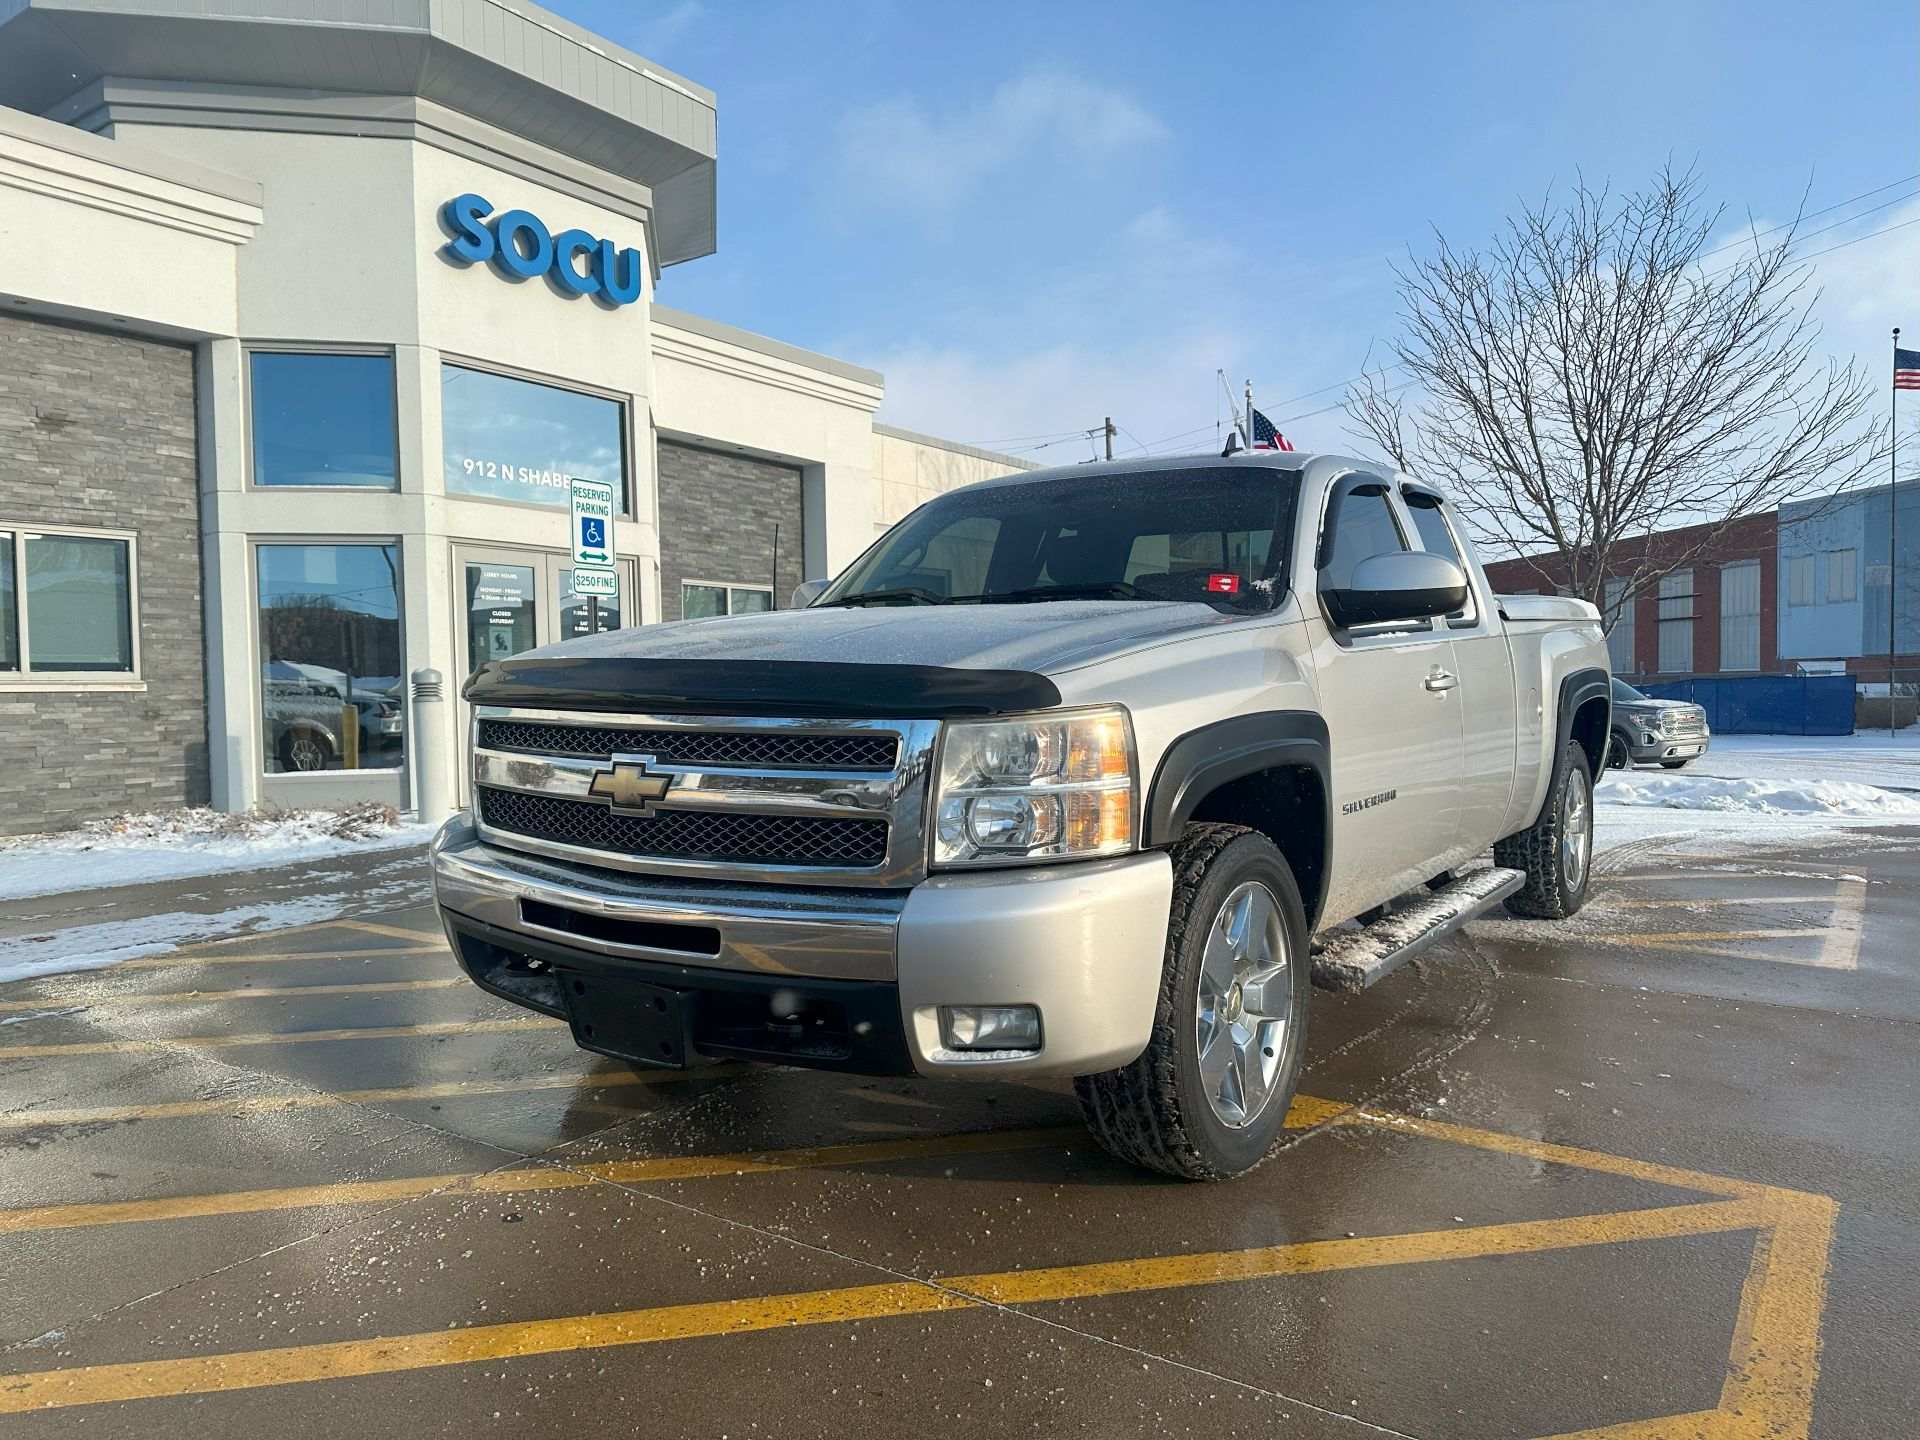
1249,412
1893,525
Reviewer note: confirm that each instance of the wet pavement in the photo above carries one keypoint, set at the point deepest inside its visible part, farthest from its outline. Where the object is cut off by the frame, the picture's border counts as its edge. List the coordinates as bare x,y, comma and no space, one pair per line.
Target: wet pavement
1651,1173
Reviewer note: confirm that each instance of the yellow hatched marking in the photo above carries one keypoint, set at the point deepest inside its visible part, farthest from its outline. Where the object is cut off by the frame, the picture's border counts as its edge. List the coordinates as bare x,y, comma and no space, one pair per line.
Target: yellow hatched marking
207,1374
291,1037
1767,1394
524,1181
271,957
321,1099
110,1000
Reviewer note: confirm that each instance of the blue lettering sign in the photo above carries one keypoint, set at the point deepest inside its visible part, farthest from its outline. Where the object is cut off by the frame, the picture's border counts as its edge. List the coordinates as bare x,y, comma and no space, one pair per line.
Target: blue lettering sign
520,246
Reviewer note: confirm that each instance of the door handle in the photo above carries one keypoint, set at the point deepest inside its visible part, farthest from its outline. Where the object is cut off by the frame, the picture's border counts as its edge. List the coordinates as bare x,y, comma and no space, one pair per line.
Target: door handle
1441,680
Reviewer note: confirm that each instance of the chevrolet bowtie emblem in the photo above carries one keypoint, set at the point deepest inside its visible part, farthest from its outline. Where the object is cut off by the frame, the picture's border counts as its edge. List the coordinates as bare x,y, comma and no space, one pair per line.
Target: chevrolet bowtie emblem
629,788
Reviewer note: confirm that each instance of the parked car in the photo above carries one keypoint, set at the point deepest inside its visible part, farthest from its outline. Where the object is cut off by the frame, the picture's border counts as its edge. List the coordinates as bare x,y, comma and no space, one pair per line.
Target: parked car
1648,731
1064,776
303,719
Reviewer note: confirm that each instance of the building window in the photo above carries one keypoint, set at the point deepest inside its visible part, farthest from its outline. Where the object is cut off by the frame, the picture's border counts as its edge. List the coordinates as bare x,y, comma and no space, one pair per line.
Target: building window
66,606
704,599
1619,619
331,672
508,439
322,419
1800,580
1842,577
1740,616
1676,623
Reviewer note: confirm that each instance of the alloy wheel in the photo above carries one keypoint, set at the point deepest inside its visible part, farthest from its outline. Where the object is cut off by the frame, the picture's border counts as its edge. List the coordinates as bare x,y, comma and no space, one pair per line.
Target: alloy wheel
1245,1005
1576,829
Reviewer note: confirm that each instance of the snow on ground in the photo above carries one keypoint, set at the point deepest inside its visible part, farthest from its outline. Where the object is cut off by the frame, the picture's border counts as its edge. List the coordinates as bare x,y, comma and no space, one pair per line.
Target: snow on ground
89,947
1752,791
183,844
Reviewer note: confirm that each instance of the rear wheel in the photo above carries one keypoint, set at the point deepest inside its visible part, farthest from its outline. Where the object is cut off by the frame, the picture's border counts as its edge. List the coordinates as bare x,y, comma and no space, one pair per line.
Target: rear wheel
1556,851
1208,1096
304,750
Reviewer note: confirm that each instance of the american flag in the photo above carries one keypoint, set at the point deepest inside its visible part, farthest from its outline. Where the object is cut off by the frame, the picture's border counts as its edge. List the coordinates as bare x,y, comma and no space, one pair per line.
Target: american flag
1265,437
1906,369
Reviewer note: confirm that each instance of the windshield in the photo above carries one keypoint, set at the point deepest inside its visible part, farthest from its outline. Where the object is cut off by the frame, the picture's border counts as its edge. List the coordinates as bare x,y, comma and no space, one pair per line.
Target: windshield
1216,535
1625,694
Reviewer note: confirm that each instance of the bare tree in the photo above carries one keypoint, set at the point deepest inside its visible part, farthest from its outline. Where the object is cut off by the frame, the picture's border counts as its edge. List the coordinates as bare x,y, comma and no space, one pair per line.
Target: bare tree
1597,373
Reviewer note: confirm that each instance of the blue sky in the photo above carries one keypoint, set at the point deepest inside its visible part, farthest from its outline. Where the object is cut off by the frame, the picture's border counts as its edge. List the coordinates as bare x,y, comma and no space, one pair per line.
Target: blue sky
1033,215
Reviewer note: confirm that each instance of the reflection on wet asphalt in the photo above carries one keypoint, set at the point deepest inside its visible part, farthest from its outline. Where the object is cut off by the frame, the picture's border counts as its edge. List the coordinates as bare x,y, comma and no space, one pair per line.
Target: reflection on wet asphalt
1654,1163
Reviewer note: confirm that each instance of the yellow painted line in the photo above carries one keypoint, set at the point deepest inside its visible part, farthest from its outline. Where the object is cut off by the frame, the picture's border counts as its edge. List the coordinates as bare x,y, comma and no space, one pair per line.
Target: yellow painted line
321,1099
392,932
524,1181
1713,901
1696,937
272,957
289,1037
385,1355
111,1000
1842,948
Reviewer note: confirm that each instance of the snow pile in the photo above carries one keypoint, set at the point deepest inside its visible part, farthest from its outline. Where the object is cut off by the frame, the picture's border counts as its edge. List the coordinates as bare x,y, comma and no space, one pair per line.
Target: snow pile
180,844
1832,798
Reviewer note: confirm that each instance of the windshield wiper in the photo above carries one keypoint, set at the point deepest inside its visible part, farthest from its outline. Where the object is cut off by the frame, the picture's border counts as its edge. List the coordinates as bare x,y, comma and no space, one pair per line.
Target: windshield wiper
912,594
1104,590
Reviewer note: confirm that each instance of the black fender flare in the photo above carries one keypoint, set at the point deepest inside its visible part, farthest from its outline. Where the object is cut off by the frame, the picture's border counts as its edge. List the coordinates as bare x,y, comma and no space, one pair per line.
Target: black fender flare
1578,689
1203,760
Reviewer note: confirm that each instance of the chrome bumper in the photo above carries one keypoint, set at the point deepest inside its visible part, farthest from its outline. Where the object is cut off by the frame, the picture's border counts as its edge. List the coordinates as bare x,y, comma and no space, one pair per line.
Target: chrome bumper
1082,942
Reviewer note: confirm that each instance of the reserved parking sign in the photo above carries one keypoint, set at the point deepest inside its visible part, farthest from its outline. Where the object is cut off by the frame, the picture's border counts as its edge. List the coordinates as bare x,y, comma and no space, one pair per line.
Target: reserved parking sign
592,524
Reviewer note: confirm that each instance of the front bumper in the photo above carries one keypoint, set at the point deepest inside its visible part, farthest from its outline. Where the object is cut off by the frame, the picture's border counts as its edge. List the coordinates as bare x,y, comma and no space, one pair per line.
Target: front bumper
868,969
1648,747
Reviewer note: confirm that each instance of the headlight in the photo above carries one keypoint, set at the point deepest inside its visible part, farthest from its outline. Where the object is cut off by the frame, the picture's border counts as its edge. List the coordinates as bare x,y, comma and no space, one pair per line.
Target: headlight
1044,788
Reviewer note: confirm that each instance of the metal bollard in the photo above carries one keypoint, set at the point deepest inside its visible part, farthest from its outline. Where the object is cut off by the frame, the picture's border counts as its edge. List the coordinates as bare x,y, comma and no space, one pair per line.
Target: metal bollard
429,735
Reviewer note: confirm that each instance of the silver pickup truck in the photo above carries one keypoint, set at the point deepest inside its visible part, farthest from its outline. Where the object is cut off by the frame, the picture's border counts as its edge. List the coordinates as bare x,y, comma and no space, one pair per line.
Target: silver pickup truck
1081,772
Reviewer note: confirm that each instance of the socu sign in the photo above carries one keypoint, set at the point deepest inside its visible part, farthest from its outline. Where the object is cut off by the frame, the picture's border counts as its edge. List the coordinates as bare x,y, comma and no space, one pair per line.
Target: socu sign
519,244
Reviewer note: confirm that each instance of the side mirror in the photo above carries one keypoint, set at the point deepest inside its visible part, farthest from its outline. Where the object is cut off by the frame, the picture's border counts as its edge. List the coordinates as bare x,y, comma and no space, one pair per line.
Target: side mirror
1398,586
806,592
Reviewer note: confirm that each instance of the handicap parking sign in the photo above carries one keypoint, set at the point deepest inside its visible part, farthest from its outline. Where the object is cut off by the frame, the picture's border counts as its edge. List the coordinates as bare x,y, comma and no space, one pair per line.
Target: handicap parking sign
593,505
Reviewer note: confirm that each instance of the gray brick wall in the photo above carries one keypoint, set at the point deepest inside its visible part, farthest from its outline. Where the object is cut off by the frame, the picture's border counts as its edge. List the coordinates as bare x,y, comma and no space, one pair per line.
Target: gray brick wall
98,430
717,513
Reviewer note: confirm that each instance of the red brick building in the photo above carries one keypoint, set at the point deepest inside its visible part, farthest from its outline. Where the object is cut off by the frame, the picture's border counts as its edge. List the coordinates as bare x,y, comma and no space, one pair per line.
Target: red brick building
1714,613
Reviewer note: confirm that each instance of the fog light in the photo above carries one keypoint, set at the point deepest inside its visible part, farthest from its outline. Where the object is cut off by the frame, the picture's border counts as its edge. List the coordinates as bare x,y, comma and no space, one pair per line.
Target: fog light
990,1027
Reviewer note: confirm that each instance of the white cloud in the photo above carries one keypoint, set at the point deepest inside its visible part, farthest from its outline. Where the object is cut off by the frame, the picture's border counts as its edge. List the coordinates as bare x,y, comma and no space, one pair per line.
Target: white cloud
1135,328
895,153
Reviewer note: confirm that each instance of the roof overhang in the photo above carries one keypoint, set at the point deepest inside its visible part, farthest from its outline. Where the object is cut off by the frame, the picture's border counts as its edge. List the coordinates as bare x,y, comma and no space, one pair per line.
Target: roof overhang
503,62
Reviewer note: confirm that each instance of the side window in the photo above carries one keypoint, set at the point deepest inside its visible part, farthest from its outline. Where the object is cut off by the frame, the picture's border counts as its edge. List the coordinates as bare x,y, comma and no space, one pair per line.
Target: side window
1436,538
1362,528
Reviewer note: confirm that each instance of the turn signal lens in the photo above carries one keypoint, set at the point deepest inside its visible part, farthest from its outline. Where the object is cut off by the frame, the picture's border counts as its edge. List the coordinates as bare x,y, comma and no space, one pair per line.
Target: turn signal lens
1037,789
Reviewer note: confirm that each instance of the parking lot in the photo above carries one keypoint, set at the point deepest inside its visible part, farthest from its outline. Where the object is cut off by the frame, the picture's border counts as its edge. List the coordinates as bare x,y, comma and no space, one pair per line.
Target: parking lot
1649,1174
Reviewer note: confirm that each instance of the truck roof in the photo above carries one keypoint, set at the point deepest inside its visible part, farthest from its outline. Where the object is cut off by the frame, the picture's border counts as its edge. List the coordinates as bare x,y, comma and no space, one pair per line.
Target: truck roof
1294,460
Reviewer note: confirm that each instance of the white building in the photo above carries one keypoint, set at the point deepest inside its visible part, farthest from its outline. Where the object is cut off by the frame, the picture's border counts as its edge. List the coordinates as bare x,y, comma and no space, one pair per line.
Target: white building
285,431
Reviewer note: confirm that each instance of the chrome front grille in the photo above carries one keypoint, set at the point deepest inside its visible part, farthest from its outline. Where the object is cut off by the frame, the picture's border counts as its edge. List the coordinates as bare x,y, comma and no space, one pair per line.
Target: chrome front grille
835,802
769,750
788,840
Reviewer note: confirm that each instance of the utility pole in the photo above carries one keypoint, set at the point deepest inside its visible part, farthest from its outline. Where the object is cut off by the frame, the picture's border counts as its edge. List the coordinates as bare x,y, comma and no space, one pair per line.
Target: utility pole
1893,525
1109,428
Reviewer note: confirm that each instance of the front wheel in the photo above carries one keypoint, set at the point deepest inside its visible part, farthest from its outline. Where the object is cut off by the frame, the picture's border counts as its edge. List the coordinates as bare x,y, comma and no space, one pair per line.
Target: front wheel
1618,756
1209,1095
1556,851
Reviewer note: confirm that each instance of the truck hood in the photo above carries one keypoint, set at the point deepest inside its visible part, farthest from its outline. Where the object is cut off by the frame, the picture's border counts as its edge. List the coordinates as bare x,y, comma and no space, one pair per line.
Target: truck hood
1044,638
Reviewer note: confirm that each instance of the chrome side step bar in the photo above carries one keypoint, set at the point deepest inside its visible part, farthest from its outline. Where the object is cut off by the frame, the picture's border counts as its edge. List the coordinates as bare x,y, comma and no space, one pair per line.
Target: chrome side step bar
1353,959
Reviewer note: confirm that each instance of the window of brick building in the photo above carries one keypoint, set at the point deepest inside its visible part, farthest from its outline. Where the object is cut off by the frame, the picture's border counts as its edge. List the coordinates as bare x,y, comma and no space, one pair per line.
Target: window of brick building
1740,616
1676,623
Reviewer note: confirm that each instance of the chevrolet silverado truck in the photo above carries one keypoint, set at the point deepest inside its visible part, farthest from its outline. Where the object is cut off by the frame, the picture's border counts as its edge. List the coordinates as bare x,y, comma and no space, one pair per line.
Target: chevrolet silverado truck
1082,772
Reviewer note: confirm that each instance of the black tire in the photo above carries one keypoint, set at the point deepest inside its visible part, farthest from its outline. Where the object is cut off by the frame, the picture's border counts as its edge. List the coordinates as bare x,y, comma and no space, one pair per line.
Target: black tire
1156,1112
1619,757
1676,764
1553,890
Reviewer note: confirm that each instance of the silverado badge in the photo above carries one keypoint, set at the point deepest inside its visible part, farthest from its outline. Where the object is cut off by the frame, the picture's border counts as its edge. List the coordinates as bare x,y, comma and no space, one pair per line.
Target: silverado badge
629,788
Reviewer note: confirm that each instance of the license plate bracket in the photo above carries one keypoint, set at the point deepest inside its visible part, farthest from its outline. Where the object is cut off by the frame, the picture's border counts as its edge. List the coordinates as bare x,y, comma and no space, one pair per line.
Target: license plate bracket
630,1019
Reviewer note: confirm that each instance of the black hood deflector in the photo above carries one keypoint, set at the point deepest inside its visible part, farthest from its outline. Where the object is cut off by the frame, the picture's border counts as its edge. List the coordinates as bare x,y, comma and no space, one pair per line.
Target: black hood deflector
758,687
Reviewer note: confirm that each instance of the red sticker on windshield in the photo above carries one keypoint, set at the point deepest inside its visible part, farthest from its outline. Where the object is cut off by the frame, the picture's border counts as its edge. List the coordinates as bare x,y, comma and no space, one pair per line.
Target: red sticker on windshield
1223,584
